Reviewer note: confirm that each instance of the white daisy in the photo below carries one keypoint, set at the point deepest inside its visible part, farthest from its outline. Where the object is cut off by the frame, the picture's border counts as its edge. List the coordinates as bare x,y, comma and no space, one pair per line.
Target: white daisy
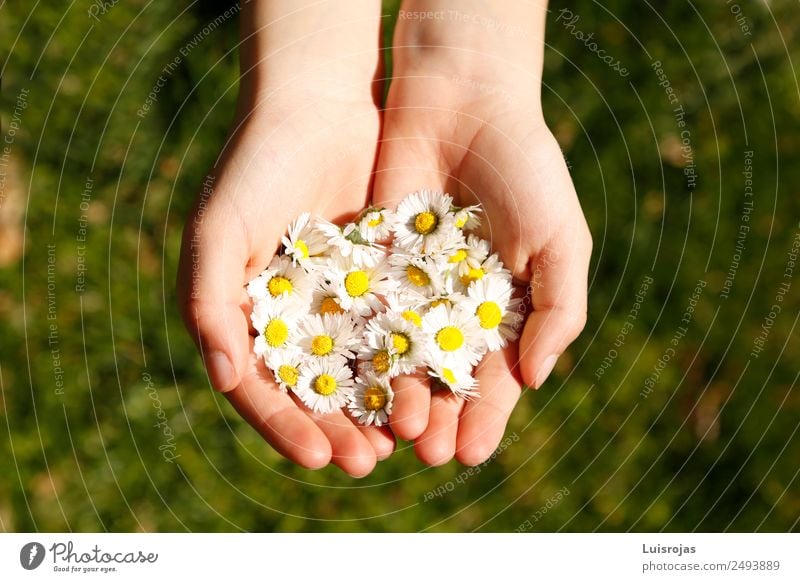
282,281
445,296
497,312
453,337
371,402
375,224
325,299
468,256
348,242
417,277
378,358
274,322
359,288
467,218
286,366
304,243
325,385
424,222
406,307
492,265
327,335
403,341
458,379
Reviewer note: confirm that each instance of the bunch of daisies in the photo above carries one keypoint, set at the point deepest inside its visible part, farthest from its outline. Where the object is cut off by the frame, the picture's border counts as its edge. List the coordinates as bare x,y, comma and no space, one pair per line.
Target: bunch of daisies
344,309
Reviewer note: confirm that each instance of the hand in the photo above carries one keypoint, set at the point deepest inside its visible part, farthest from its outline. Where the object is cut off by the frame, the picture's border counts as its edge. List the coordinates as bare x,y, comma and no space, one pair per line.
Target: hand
303,143
479,135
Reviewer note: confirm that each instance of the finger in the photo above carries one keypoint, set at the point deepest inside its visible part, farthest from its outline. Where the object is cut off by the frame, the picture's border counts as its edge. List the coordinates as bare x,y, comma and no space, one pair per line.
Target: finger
437,445
380,437
559,296
411,406
483,420
276,416
350,449
211,275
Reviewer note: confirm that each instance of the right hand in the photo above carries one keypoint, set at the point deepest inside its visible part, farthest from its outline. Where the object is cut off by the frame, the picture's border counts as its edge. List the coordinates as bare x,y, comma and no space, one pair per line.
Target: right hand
297,154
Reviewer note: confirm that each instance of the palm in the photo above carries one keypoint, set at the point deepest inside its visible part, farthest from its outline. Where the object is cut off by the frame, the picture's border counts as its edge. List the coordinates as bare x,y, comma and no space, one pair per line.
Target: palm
485,150
275,167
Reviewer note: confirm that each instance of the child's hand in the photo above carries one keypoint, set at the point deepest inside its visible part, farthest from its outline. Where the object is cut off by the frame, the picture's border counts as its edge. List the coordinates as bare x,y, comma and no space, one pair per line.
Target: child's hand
463,120
308,143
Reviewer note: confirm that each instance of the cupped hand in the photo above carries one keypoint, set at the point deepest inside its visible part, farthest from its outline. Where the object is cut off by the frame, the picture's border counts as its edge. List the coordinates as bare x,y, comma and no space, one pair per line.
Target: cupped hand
303,152
482,143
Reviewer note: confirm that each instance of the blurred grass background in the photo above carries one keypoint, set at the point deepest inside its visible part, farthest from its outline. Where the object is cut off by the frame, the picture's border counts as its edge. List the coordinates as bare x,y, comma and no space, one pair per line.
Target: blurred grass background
714,447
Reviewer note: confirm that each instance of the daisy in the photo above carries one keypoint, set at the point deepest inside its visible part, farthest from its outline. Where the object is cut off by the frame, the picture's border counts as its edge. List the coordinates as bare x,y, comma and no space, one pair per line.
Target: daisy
458,379
497,312
282,281
325,299
325,385
378,358
371,402
304,243
418,277
492,265
375,224
358,288
470,255
408,310
347,240
467,218
285,366
274,322
399,337
322,336
453,337
445,296
424,222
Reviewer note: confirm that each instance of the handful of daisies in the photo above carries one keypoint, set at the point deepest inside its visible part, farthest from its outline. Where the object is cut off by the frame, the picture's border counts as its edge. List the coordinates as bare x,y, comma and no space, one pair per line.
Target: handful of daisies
343,309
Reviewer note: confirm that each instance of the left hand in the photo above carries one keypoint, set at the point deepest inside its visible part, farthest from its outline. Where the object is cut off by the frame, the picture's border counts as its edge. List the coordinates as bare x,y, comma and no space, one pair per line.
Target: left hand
483,144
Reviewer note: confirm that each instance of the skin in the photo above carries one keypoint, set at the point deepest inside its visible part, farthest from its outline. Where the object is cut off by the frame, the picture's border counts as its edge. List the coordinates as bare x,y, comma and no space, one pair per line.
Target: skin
462,116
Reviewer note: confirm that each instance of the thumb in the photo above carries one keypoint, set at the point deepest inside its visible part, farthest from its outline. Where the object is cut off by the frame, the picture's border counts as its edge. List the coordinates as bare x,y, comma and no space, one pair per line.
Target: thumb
210,292
559,294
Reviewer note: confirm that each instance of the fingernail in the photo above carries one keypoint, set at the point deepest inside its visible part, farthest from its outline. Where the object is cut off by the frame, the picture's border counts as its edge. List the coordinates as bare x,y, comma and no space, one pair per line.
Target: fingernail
220,371
544,371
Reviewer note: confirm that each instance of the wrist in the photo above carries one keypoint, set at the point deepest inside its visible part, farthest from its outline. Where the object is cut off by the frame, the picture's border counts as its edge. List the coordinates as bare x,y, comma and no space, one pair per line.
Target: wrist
317,49
500,44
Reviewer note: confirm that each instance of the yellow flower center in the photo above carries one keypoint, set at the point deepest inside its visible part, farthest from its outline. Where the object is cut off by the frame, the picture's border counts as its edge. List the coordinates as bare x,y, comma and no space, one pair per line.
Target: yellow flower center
329,305
457,256
413,317
375,221
279,285
288,375
400,343
448,375
449,338
321,345
489,314
374,398
301,246
381,361
425,222
417,276
472,276
276,333
462,220
325,384
443,301
356,283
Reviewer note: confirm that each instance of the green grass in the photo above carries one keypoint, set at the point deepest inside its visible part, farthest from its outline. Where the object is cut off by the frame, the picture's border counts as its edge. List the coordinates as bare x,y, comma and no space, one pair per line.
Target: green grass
715,446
